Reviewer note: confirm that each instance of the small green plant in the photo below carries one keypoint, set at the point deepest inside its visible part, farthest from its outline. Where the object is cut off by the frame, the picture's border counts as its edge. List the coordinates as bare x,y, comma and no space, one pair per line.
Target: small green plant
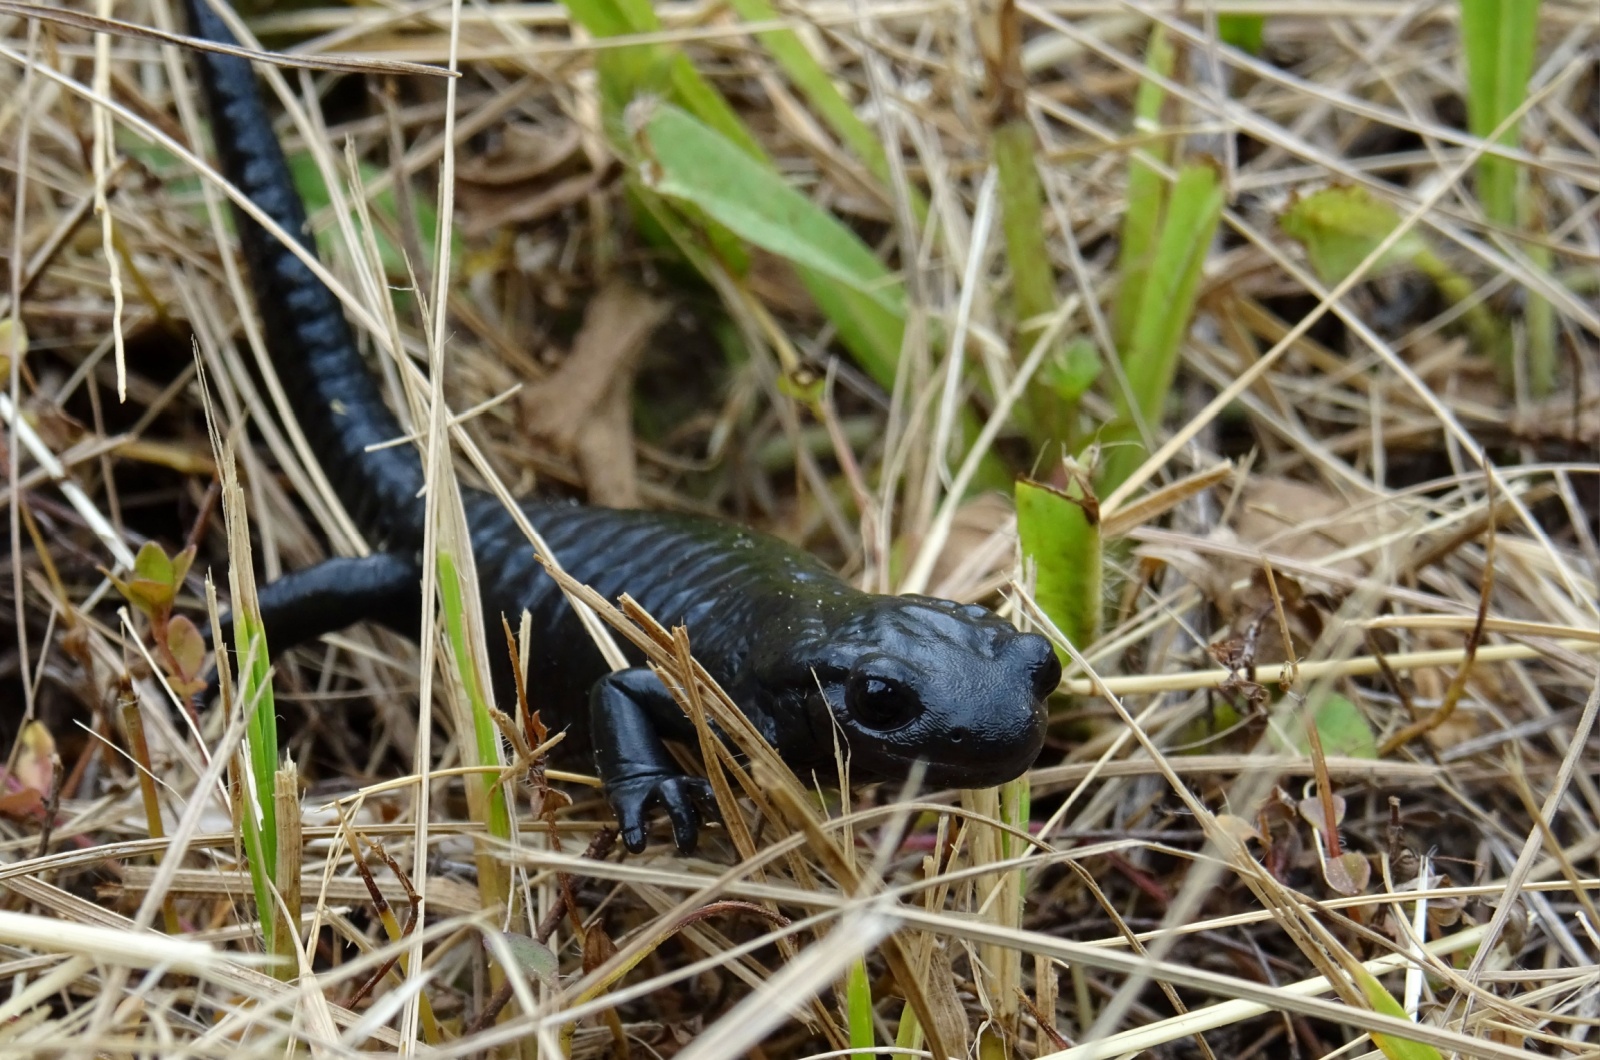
256,768
257,787
649,74
152,588
1340,226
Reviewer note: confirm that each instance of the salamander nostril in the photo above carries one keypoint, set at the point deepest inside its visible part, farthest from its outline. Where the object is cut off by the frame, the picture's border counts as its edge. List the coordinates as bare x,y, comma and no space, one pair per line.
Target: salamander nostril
959,734
1046,675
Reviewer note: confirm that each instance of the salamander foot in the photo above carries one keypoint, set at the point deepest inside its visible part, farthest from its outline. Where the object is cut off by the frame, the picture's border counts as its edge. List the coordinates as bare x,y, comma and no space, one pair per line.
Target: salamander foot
682,796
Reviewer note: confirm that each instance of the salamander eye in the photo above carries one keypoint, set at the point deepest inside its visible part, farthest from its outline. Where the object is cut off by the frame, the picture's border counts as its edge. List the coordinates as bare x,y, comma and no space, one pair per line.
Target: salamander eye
880,702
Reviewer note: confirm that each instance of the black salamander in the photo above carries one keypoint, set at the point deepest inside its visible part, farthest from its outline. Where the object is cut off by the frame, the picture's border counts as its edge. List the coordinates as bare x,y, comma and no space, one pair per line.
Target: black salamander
806,656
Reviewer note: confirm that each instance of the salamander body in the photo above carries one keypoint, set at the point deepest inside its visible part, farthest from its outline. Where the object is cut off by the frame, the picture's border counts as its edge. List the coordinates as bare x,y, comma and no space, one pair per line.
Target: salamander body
807,657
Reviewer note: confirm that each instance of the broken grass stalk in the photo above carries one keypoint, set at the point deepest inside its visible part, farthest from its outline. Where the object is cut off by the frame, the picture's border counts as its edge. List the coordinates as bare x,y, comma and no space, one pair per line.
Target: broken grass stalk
259,758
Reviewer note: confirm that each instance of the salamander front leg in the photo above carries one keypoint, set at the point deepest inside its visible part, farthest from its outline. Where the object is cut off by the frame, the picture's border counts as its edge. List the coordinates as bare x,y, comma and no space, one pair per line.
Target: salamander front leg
628,711
304,605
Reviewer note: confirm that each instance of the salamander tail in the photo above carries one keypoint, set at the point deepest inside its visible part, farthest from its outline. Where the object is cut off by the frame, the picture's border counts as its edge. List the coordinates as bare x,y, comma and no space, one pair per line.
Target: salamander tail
335,396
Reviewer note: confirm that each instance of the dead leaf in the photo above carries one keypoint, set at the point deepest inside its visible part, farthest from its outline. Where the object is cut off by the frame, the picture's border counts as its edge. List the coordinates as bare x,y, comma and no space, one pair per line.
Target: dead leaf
1349,873
23,805
1290,518
948,1011
1311,810
583,406
523,154
1237,827
491,209
597,948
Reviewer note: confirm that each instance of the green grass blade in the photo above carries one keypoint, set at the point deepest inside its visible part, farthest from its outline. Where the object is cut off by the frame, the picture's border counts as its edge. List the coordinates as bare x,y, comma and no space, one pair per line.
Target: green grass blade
1383,1002
258,818
1060,535
820,90
1193,212
258,823
858,1006
1048,415
636,70
1146,192
487,803
1023,222
1150,358
1541,320
1245,32
1498,38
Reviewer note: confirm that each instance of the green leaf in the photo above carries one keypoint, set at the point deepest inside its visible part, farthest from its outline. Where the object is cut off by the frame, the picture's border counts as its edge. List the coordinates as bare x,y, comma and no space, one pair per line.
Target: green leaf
1072,370
1245,32
1343,730
152,564
1383,1002
149,597
1341,226
180,566
532,956
689,162
1060,534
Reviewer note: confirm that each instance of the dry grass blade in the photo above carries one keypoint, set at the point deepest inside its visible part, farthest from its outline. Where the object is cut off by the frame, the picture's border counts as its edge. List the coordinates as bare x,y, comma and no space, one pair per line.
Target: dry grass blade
110,945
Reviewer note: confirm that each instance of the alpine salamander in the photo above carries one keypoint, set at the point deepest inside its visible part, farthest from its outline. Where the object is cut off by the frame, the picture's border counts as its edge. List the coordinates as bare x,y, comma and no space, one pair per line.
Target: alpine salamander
900,679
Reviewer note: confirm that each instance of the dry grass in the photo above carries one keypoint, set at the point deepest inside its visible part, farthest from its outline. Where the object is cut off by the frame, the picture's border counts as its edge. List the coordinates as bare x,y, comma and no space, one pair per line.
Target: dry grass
1401,534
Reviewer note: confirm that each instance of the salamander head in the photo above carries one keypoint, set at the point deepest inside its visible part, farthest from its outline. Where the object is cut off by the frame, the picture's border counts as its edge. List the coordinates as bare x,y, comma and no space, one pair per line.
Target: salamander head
913,678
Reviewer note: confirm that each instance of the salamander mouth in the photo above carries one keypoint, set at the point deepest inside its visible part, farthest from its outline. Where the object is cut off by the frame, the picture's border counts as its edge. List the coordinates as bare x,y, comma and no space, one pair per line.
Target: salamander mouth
977,771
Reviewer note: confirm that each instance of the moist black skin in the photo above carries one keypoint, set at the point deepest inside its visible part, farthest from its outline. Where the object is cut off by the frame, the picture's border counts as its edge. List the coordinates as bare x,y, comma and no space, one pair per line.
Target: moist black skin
808,658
